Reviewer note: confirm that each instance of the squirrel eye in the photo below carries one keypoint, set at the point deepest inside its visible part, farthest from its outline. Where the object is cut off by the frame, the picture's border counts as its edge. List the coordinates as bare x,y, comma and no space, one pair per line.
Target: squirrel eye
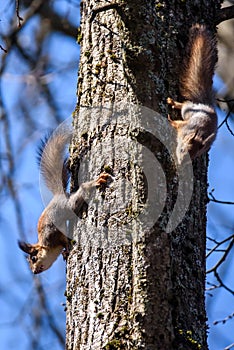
33,259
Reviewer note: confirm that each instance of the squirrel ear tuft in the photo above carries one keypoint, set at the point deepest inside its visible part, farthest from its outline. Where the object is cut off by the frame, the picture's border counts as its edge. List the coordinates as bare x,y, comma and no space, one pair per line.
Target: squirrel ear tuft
26,247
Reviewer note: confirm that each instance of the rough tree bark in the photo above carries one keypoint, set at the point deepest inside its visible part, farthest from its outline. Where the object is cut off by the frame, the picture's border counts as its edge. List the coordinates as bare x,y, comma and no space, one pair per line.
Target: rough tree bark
145,291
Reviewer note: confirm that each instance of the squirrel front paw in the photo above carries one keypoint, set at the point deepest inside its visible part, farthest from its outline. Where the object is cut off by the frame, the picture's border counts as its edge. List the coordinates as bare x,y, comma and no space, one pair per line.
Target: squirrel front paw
102,179
170,101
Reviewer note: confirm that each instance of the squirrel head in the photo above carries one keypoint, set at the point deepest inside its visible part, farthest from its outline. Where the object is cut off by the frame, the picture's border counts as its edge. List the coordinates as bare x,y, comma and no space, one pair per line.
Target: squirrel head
40,258
194,143
188,144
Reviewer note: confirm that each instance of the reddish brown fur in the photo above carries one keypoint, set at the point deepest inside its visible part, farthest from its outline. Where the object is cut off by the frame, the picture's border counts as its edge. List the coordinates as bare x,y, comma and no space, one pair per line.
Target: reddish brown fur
40,224
198,128
199,65
51,241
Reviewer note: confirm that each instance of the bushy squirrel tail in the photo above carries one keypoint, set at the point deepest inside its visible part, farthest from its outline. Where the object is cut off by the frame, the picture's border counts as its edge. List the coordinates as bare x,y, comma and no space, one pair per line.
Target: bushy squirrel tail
199,66
53,161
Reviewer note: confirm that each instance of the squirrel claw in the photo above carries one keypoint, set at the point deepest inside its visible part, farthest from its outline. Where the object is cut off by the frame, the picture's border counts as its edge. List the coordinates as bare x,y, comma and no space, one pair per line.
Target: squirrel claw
170,101
174,104
102,179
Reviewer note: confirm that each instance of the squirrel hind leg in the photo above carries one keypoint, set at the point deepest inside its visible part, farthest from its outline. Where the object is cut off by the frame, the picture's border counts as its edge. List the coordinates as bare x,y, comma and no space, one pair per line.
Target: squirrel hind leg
176,124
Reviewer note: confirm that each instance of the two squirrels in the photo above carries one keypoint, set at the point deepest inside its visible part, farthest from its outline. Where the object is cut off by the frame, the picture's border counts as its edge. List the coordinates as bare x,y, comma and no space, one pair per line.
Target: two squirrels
52,224
198,129
195,134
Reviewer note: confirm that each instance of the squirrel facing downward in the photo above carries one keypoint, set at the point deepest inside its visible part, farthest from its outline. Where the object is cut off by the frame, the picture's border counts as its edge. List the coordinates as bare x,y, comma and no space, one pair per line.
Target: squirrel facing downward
52,239
197,130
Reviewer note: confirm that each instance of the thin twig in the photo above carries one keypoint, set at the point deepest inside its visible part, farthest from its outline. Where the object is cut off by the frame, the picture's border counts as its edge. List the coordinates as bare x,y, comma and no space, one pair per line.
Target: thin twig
213,199
229,317
223,258
20,19
222,284
2,48
218,244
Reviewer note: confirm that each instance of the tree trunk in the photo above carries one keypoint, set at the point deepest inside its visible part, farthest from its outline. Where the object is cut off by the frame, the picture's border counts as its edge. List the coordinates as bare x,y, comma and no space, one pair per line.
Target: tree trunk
136,276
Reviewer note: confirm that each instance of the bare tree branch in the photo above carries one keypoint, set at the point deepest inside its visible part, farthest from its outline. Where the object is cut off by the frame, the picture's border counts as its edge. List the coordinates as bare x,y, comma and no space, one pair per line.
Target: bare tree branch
2,48
218,244
229,317
213,199
49,315
56,22
222,284
20,19
9,181
223,258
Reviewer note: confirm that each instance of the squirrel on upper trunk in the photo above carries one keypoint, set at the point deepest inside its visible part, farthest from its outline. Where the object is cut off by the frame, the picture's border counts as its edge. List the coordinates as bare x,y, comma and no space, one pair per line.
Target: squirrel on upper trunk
197,131
52,239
